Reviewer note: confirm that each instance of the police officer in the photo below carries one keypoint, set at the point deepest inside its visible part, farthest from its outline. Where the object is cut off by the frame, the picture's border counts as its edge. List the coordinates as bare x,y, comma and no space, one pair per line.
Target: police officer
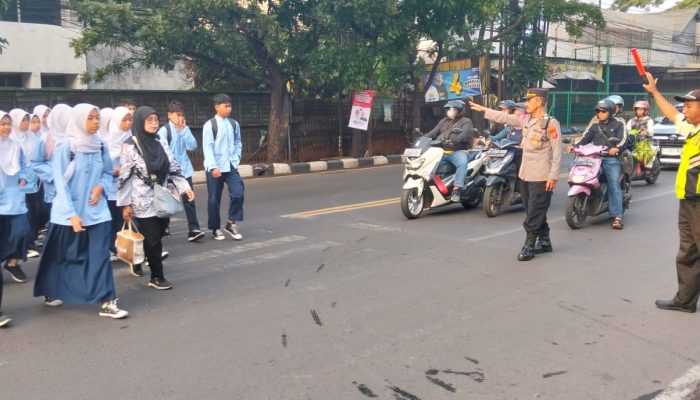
539,171
688,257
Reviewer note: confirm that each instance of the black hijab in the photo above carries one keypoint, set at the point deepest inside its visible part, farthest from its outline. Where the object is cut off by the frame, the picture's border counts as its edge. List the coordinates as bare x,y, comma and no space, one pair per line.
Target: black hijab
157,162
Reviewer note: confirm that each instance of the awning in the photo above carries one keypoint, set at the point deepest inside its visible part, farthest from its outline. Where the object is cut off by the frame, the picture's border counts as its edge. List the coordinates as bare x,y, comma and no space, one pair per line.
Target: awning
578,75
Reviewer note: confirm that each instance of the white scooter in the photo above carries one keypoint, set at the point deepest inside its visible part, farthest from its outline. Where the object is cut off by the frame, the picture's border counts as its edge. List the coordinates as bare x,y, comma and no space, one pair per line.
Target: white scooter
426,186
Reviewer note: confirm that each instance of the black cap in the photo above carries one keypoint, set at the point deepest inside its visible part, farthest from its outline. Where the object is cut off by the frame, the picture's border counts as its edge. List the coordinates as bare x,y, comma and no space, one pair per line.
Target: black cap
535,92
693,95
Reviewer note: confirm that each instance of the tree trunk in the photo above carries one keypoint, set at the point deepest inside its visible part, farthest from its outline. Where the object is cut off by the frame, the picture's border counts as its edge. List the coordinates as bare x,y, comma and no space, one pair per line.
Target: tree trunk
278,122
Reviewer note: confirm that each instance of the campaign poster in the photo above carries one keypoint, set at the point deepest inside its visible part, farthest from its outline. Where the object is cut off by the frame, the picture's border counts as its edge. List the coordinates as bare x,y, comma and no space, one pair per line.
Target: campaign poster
449,85
361,109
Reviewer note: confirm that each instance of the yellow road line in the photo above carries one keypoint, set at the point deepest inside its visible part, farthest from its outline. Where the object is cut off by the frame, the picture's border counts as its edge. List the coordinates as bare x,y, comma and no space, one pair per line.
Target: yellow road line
345,208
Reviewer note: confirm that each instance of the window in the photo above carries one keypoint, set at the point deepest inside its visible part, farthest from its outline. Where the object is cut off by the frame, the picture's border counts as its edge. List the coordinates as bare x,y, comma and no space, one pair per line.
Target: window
54,81
11,80
33,11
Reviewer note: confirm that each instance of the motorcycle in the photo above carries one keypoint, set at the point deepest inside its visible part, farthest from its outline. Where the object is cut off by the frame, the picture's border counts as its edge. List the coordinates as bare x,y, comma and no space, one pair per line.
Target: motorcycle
647,149
426,186
588,192
501,174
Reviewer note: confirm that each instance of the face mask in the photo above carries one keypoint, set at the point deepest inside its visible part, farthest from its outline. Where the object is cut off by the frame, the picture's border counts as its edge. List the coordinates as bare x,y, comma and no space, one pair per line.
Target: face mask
451,113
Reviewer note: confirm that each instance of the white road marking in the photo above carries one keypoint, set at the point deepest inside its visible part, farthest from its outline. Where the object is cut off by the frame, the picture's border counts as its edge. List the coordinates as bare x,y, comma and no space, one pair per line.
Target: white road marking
373,227
237,249
682,387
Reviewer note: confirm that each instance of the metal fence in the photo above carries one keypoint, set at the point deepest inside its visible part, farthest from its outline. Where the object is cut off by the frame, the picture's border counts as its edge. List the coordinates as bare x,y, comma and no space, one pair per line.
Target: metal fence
575,109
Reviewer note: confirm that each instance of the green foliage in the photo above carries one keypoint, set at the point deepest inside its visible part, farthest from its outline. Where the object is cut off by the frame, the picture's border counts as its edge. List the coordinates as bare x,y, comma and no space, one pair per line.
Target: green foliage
624,5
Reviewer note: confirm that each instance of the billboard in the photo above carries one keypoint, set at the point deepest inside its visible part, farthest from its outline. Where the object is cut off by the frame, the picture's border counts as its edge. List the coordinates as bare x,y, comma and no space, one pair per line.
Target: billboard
449,85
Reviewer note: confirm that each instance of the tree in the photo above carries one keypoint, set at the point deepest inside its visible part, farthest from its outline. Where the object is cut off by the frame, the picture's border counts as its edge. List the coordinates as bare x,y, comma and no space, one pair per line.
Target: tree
624,5
264,42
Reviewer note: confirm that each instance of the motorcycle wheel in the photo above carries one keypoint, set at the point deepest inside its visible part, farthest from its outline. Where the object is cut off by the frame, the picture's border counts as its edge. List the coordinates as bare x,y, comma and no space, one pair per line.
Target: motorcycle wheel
473,202
576,213
412,203
655,171
492,200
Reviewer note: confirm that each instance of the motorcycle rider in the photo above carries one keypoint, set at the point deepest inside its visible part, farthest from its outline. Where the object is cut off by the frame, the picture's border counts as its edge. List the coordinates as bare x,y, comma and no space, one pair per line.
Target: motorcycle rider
505,106
455,131
511,132
641,122
608,127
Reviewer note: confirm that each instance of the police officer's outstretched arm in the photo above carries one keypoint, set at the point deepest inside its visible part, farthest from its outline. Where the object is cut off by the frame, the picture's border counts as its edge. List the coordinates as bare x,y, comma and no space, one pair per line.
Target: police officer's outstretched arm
667,109
498,116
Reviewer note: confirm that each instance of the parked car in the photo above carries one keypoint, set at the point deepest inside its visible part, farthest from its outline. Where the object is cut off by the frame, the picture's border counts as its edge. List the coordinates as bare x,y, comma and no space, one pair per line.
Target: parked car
670,142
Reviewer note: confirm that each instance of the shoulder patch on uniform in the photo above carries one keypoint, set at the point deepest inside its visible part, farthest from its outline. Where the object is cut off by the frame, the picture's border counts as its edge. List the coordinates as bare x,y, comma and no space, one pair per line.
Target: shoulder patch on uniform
553,134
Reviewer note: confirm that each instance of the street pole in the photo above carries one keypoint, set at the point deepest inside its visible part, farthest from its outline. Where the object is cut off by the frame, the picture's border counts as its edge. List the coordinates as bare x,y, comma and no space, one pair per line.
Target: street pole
608,49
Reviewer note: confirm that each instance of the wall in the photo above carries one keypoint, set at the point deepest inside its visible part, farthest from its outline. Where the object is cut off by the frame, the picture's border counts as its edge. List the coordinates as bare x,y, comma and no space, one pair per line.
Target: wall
35,49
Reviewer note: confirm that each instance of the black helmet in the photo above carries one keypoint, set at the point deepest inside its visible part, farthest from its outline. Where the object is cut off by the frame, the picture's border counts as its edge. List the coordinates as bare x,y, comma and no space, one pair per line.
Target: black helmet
606,105
509,104
458,104
519,105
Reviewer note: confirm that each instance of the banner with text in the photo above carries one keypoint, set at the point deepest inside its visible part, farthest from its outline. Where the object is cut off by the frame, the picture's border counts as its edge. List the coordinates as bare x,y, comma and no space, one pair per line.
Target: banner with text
361,109
449,85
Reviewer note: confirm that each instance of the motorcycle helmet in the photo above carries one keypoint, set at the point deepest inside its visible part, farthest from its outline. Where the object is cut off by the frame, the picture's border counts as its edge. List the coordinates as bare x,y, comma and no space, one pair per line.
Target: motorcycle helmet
641,104
519,105
606,105
458,104
509,104
617,100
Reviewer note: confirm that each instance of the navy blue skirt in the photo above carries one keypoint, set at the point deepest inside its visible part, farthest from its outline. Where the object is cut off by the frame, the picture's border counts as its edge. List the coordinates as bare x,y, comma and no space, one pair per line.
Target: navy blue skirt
14,237
75,267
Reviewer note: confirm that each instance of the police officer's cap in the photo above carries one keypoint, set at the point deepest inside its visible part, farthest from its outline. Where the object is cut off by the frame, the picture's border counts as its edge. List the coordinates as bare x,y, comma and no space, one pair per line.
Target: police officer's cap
535,92
455,104
693,95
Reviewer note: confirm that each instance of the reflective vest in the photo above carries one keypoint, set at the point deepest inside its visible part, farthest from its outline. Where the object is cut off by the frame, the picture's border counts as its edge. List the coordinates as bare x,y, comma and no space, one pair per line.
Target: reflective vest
688,178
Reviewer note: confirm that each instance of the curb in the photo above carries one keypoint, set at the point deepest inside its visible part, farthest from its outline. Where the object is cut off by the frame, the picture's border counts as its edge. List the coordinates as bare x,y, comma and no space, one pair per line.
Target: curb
248,171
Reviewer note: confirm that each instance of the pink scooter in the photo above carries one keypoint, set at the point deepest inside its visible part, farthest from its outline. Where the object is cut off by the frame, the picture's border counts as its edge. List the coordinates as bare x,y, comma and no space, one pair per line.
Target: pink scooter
588,192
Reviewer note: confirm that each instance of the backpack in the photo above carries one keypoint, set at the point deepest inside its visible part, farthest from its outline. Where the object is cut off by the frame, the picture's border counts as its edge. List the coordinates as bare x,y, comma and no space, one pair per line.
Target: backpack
215,126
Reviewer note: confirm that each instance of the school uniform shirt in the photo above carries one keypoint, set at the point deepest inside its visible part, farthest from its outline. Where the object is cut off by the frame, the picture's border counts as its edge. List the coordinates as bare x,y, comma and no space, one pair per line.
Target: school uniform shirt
73,192
135,189
226,150
28,142
12,198
41,166
179,145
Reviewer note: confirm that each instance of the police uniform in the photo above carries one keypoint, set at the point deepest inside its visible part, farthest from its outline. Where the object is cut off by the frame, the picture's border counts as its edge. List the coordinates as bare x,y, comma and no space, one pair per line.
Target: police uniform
688,192
541,145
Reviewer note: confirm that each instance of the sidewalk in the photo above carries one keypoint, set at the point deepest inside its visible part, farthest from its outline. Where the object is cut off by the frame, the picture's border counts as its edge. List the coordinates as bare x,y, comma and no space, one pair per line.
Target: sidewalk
278,169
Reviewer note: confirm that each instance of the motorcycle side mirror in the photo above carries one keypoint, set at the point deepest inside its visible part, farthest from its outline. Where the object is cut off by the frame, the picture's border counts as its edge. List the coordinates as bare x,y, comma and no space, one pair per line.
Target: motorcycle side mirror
566,141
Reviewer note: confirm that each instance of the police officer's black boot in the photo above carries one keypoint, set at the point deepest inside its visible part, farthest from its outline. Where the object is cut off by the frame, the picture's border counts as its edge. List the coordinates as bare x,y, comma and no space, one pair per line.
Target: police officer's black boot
527,253
544,244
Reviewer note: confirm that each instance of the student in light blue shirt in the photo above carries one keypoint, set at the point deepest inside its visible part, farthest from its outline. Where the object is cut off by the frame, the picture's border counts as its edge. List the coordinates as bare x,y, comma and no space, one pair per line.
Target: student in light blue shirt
180,140
13,211
75,266
222,155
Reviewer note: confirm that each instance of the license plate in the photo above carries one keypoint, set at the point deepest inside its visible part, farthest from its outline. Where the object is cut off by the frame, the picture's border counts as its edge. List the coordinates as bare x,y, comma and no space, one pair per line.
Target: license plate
671,151
496,153
410,152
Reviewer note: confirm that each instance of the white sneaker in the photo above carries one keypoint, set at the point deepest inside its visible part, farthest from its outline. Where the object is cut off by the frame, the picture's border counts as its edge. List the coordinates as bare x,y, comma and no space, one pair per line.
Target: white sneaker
32,254
52,302
233,231
218,235
4,320
110,309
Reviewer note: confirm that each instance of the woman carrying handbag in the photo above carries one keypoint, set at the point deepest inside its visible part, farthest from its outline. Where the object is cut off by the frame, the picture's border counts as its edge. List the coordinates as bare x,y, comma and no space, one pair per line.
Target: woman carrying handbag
147,167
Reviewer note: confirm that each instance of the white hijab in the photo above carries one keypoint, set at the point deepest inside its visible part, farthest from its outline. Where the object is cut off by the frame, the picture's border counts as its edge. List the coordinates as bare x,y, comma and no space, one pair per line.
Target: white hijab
80,140
10,153
57,122
39,111
26,139
116,136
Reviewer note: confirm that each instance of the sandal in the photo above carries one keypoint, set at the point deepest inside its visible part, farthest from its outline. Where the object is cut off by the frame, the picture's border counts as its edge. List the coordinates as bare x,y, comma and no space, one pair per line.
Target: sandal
617,224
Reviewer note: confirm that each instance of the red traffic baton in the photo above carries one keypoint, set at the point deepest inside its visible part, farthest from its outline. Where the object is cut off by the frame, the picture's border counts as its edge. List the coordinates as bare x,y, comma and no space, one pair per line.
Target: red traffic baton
640,65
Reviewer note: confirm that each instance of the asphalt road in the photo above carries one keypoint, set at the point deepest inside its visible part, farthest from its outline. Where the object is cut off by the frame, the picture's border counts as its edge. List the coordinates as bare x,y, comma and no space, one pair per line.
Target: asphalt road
357,302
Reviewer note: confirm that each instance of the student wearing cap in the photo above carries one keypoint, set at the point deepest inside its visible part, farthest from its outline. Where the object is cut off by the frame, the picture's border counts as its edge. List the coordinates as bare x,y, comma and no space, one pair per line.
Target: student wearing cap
539,171
688,257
